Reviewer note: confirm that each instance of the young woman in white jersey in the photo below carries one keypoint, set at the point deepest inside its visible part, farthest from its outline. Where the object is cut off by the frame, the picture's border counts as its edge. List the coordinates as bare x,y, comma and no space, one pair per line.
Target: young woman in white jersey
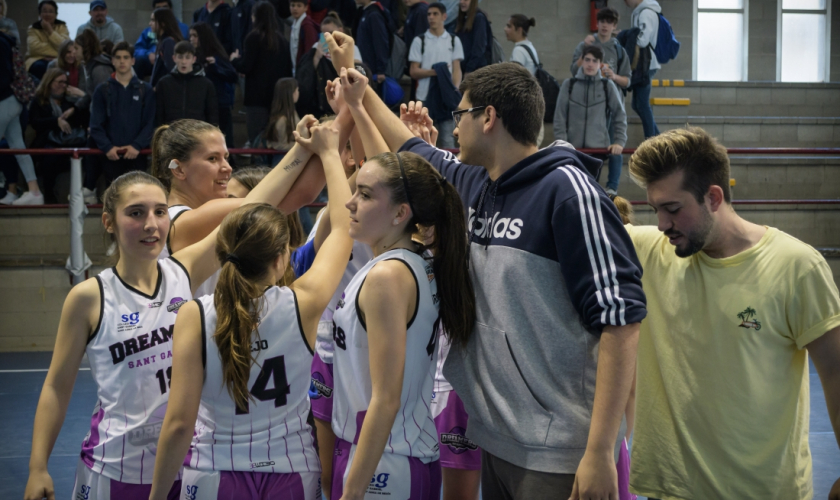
386,329
123,320
190,158
253,343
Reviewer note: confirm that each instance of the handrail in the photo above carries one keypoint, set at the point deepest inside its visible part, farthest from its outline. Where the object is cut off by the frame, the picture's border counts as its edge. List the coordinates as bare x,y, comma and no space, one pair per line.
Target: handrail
767,202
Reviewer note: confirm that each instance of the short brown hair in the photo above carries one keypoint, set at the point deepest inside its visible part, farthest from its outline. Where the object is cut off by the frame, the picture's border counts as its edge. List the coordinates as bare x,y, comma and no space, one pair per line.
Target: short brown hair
692,150
184,47
607,14
596,52
516,95
125,46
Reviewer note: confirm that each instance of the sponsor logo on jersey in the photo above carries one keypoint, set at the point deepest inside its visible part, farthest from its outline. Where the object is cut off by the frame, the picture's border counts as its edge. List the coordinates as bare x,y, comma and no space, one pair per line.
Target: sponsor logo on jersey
149,432
128,322
190,491
175,304
84,492
506,227
318,387
120,350
154,305
430,273
378,482
340,303
257,465
457,441
746,316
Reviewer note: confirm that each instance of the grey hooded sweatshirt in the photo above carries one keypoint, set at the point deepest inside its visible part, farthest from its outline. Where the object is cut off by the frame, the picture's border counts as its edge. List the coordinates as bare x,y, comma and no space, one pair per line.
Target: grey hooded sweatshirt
108,31
646,17
582,116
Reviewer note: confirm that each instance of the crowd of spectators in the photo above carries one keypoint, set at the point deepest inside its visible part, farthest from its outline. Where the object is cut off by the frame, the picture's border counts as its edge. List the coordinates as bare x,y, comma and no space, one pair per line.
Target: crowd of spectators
275,51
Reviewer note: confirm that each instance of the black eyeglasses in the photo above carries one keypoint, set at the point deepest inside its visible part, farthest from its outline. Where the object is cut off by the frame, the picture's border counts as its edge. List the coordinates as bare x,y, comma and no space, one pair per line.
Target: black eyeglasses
456,115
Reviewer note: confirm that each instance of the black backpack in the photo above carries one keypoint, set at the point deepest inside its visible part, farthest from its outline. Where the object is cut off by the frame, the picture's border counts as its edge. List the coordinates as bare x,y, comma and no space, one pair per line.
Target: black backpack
549,85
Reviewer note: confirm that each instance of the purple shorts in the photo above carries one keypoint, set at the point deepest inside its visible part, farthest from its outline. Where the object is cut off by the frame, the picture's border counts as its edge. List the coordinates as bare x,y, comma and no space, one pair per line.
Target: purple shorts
92,485
235,485
456,451
321,389
397,477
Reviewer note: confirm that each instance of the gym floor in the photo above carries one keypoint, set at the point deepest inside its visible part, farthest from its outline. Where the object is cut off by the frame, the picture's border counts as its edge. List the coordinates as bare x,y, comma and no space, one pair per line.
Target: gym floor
22,375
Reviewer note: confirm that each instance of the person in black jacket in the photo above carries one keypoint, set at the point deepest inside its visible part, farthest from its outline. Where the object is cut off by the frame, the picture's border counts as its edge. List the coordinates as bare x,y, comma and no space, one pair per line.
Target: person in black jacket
217,13
240,22
217,68
123,117
473,29
186,92
373,37
165,26
265,59
416,22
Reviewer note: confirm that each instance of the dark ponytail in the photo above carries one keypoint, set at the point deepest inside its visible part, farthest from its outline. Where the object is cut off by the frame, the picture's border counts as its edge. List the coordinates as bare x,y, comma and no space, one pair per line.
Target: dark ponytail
250,239
436,204
523,22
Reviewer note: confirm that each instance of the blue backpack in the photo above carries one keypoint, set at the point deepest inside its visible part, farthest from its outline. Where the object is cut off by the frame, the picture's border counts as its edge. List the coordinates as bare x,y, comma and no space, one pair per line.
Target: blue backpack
667,45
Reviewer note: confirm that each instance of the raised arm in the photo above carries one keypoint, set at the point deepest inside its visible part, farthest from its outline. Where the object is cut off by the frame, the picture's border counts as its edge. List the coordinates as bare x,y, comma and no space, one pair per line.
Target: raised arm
79,317
354,85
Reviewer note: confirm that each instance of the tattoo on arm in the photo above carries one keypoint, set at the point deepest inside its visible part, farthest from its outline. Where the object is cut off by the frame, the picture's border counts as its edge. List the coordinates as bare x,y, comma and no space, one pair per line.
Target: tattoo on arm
292,165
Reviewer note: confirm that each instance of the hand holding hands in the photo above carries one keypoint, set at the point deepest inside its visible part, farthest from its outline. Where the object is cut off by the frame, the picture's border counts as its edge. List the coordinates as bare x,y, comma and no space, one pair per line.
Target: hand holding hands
323,140
353,85
335,97
304,125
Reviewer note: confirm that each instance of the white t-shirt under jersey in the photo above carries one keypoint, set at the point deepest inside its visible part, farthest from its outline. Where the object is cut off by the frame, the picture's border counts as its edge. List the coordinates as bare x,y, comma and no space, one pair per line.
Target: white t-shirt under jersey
209,286
273,435
130,355
413,433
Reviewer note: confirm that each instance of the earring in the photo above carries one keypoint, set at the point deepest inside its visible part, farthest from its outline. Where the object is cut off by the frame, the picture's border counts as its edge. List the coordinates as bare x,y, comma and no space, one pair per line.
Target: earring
396,221
173,165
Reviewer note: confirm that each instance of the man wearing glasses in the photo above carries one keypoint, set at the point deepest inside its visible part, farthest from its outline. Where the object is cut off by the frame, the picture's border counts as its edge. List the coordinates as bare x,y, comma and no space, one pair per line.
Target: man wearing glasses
546,375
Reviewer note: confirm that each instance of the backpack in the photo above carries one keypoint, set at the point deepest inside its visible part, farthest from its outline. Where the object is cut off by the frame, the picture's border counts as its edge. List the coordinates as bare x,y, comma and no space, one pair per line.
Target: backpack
549,85
399,52
23,86
667,45
495,53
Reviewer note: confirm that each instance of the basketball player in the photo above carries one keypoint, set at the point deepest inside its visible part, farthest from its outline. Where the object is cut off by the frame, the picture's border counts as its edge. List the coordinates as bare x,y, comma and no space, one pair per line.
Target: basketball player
386,329
252,340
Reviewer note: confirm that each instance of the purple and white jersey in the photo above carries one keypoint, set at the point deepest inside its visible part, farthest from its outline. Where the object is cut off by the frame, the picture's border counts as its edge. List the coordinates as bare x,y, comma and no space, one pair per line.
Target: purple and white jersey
272,436
130,356
441,384
209,286
413,433
360,256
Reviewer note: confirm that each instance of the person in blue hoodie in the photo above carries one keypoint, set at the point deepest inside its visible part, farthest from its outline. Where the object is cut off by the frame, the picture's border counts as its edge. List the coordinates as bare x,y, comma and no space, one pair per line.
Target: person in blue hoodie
122,117
146,44
546,374
373,37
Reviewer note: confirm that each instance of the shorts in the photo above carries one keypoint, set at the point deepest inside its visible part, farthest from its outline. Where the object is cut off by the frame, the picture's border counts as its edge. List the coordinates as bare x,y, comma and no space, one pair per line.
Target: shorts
321,389
397,477
230,485
92,485
456,451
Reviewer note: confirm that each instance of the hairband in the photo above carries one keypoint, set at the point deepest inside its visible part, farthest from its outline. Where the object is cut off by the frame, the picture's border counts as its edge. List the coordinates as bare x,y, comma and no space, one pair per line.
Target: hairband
233,259
405,183
173,165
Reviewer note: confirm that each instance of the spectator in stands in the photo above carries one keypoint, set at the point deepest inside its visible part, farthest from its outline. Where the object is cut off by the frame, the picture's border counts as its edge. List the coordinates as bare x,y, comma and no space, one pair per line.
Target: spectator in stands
429,49
590,111
616,63
8,25
165,27
44,37
97,63
240,22
373,38
144,48
473,29
10,129
216,13
57,123
122,121
211,56
102,24
415,22
265,60
70,62
186,92
278,133
524,52
645,16
305,31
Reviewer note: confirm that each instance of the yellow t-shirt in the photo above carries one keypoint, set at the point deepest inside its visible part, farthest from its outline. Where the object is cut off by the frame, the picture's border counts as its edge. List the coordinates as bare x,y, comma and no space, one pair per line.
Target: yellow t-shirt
722,400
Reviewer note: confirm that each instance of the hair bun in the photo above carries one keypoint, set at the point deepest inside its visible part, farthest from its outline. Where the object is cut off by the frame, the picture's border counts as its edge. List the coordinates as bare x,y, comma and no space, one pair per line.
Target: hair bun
532,22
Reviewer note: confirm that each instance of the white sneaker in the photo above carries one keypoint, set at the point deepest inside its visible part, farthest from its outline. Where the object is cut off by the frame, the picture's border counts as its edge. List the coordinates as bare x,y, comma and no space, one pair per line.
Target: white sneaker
611,192
90,196
28,198
8,199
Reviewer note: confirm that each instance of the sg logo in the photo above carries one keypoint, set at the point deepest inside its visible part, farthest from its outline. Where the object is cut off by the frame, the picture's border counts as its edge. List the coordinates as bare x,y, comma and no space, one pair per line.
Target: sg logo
131,319
380,480
190,492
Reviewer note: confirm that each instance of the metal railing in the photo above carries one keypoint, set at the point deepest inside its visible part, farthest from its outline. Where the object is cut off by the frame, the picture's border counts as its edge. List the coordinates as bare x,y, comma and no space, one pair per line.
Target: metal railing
78,262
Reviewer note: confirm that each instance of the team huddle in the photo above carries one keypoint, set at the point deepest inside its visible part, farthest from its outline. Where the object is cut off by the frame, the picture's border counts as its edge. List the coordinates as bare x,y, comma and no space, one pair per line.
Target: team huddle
449,322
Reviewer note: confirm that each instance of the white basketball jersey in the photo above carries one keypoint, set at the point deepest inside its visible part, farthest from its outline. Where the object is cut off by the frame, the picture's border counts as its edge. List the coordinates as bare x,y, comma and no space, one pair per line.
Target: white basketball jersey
360,256
130,356
441,384
209,286
273,435
413,433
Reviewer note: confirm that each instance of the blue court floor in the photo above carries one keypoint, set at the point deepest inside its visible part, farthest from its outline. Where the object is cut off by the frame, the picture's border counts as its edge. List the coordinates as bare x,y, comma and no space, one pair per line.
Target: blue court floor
22,374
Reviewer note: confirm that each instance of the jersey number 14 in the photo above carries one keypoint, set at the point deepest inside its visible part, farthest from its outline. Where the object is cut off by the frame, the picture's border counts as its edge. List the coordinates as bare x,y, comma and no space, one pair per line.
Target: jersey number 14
274,369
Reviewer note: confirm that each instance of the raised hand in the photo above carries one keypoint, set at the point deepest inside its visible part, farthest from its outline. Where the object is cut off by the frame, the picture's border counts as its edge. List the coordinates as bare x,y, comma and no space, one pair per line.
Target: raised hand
341,49
324,138
304,125
334,95
353,85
